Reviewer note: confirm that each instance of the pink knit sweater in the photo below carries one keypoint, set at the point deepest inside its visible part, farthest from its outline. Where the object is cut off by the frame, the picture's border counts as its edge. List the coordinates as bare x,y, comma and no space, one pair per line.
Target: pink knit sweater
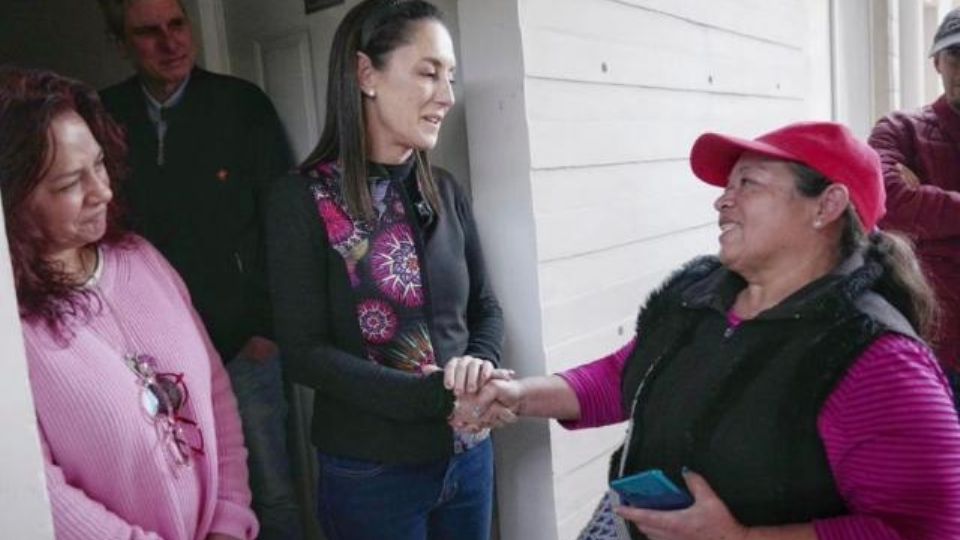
107,474
889,429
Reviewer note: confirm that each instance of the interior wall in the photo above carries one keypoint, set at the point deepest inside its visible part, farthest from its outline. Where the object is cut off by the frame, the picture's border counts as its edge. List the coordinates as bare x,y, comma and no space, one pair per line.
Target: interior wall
55,34
68,37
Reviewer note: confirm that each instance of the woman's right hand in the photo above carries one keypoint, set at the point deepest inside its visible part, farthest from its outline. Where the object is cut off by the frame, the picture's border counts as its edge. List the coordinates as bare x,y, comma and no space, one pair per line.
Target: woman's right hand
495,405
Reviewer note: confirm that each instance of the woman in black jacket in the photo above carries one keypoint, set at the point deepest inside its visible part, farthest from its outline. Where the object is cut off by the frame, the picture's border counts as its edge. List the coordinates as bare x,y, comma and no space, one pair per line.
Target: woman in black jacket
381,301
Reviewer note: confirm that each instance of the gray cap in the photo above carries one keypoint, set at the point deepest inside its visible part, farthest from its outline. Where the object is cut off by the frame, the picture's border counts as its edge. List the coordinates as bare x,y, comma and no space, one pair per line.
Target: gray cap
948,34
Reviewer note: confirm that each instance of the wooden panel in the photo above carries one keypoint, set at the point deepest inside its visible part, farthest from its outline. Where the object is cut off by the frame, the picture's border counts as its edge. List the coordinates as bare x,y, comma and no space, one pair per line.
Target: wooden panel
577,124
575,448
565,279
601,341
620,44
590,209
576,188
613,301
770,20
578,493
572,318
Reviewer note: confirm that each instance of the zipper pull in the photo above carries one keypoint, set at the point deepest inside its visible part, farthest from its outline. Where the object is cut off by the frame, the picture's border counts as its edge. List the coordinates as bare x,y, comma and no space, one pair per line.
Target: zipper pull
161,134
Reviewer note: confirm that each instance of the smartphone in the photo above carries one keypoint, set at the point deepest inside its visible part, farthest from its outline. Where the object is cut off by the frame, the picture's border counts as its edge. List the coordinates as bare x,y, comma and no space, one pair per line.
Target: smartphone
651,489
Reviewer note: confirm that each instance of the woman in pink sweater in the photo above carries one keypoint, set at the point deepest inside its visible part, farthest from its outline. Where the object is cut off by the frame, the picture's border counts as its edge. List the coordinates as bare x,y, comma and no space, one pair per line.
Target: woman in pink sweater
139,427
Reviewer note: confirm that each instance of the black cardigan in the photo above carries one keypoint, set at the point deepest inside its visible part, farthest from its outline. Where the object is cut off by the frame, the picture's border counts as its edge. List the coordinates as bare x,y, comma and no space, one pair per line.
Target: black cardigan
361,409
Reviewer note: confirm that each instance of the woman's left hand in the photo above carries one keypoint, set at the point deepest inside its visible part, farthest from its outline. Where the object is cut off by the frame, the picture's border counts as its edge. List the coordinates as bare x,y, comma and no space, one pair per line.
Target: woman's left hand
467,374
707,519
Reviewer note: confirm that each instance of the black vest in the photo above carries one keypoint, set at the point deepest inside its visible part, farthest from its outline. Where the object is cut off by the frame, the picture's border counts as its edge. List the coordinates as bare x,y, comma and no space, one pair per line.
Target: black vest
740,406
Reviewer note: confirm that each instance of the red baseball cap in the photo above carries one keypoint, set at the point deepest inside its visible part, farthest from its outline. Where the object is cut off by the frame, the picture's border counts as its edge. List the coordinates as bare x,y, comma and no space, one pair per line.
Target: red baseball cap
827,147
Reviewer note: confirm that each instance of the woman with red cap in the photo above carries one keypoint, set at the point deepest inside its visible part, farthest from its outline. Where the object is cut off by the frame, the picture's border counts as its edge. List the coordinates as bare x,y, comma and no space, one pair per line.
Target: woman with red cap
790,371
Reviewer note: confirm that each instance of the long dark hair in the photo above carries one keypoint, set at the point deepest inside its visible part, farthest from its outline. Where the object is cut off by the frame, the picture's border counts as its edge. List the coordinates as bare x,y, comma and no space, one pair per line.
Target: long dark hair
30,101
903,283
375,28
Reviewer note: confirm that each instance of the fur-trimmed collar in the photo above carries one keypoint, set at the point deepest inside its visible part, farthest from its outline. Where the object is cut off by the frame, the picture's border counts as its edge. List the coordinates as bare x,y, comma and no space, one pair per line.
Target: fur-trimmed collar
851,282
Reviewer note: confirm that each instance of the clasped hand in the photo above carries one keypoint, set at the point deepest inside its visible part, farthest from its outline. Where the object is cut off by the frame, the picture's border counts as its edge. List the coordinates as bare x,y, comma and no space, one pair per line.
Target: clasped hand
485,396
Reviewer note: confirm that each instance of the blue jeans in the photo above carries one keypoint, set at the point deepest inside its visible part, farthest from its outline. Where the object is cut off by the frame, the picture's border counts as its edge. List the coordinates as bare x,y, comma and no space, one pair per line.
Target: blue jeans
450,499
263,412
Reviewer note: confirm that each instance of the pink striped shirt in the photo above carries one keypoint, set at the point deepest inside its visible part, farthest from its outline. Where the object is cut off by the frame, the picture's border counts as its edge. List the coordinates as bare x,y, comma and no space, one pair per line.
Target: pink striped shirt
890,431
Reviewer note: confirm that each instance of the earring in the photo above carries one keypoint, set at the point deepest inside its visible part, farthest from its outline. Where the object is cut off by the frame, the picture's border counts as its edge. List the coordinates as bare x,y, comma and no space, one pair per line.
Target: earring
817,224
370,93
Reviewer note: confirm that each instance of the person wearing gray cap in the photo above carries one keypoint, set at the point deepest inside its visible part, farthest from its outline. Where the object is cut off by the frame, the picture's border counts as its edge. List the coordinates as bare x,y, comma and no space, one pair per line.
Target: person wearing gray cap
920,152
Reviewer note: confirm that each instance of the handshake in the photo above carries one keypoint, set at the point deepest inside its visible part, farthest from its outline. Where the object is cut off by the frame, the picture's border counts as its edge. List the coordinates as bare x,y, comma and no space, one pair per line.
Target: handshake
485,396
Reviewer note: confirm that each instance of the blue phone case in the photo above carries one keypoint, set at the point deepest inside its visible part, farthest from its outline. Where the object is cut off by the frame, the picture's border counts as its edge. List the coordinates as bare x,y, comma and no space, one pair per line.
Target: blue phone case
651,489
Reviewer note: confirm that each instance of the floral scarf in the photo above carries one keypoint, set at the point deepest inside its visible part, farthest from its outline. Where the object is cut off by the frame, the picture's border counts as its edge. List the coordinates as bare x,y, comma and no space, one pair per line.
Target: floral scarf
382,259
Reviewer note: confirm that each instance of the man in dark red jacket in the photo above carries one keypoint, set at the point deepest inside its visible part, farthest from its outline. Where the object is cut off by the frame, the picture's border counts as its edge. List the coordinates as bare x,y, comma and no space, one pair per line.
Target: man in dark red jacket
920,151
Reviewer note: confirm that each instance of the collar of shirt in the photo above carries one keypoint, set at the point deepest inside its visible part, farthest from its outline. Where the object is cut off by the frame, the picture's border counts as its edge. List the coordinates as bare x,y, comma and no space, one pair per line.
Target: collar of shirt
380,177
154,107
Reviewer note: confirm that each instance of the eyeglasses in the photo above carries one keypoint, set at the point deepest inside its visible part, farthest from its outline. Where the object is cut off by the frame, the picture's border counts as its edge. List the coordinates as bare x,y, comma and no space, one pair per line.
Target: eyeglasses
162,398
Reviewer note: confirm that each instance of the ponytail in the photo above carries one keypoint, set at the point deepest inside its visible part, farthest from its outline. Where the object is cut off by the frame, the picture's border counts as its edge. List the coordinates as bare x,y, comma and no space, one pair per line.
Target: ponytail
903,283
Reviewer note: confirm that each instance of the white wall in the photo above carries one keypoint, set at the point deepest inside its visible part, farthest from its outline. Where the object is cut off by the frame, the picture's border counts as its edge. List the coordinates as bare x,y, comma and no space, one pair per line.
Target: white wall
500,164
595,117
24,507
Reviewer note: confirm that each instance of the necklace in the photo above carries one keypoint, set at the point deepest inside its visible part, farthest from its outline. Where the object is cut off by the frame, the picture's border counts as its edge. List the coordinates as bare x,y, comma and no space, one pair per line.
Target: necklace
163,395
92,276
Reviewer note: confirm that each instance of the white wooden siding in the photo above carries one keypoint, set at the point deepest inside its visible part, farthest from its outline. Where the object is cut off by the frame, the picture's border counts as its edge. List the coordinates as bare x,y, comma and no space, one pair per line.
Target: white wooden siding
619,43
613,206
574,124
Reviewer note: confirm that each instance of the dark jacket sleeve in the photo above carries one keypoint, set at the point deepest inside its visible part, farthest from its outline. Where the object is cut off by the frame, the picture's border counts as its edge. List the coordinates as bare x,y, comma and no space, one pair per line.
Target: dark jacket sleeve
272,157
484,316
305,314
927,212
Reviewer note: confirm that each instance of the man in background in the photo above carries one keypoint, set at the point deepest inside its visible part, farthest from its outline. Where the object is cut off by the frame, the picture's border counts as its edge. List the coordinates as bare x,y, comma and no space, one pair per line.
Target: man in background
202,149
920,151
